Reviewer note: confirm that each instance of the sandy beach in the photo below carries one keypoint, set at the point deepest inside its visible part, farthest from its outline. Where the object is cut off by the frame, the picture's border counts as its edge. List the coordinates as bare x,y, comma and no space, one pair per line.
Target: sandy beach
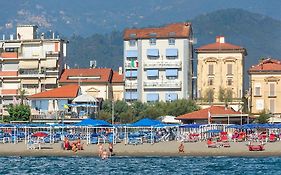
157,149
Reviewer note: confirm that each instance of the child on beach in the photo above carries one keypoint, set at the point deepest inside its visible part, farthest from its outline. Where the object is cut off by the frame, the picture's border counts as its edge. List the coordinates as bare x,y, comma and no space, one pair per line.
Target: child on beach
104,154
181,148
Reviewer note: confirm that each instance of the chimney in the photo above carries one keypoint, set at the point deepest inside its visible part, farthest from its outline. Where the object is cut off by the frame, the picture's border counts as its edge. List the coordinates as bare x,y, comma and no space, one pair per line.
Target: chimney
220,39
120,71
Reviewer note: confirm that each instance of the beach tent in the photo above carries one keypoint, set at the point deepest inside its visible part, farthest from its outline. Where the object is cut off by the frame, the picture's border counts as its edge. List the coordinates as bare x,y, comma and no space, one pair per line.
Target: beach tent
146,122
93,123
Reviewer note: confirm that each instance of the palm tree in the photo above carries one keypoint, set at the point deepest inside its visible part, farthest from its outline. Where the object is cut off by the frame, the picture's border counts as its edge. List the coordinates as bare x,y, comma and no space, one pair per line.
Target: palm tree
22,95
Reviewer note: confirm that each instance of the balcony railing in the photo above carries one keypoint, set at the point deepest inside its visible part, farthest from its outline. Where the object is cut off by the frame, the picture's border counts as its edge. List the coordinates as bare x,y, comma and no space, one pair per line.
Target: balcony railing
162,64
131,85
162,84
52,54
31,73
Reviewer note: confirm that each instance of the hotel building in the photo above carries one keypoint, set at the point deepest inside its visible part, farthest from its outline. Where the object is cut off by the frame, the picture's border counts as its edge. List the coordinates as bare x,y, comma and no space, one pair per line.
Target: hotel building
265,86
29,63
220,66
158,63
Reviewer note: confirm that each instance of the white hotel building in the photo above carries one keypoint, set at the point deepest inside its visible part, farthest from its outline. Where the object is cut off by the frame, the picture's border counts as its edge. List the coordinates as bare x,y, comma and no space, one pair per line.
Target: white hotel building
158,63
29,63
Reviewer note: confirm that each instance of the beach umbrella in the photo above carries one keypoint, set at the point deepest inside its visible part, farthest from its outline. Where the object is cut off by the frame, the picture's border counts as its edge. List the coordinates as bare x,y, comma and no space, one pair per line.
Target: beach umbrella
214,131
40,134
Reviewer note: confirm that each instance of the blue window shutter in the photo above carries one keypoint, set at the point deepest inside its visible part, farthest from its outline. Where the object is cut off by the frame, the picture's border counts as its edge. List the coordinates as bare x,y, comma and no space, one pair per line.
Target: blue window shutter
152,97
153,52
131,53
132,73
131,95
171,96
171,52
152,73
171,72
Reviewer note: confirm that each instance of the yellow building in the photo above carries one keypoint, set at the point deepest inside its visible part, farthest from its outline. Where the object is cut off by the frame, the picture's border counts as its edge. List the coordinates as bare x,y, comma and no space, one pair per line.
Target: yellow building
265,87
220,70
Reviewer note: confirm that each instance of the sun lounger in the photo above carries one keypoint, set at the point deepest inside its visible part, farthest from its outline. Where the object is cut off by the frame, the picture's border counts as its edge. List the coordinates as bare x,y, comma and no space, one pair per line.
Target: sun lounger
212,145
256,147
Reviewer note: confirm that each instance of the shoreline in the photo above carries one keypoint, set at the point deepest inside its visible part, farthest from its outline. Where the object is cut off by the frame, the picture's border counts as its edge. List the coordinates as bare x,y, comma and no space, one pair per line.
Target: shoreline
163,149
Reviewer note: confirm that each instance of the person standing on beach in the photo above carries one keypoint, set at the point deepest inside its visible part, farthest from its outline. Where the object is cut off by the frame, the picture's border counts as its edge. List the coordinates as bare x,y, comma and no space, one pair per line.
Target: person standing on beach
181,148
100,147
110,148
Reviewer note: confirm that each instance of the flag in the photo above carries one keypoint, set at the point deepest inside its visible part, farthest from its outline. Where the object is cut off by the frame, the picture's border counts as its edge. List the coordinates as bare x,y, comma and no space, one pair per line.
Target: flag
209,117
134,63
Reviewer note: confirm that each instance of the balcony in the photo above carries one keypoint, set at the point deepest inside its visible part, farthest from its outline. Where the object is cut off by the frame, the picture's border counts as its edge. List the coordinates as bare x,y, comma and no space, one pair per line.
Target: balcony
131,85
8,74
162,84
9,92
31,73
162,64
128,65
10,55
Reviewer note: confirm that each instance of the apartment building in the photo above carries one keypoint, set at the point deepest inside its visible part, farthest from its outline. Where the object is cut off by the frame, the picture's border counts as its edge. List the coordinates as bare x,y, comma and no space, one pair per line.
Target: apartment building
265,87
101,83
220,70
158,63
29,63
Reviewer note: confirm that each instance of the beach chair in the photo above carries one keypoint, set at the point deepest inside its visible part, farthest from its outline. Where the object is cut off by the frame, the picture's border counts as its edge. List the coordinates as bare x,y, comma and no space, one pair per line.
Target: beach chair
256,147
211,144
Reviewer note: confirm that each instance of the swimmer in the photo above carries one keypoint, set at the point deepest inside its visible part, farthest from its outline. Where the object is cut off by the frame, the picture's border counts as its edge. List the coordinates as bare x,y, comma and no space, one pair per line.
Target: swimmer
104,154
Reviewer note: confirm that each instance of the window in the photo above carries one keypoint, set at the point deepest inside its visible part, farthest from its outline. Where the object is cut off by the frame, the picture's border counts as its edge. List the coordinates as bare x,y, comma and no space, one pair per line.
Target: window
229,69
152,41
259,104
272,105
31,86
1,84
152,97
229,81
132,43
171,97
11,49
172,41
210,81
272,89
152,74
211,69
257,90
171,74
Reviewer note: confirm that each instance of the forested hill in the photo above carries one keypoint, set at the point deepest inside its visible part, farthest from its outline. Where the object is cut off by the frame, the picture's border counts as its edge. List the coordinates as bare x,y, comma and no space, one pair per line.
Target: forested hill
260,35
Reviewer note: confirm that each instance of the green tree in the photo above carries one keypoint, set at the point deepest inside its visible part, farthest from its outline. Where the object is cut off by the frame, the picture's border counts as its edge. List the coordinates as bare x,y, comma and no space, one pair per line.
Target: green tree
228,96
22,96
19,112
263,117
221,94
209,96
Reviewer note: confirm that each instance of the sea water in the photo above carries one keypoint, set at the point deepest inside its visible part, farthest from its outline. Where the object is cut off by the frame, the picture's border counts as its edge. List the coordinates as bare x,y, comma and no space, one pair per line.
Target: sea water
140,165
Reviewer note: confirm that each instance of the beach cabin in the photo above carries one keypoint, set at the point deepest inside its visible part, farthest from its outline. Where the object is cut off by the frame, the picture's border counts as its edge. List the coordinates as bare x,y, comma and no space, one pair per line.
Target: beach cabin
215,115
52,106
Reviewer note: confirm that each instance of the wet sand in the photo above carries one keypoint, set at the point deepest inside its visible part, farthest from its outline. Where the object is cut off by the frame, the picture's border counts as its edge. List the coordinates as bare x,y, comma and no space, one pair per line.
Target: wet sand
157,149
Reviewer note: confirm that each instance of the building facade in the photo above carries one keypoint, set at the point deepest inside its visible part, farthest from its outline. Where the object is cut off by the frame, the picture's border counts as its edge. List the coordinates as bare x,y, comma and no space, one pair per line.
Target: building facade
101,83
265,87
158,63
220,70
29,63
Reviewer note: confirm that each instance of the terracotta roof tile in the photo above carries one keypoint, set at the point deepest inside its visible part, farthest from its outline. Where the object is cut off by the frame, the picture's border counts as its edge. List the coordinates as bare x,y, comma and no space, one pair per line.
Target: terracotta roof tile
203,113
220,46
67,91
267,65
117,78
86,75
176,30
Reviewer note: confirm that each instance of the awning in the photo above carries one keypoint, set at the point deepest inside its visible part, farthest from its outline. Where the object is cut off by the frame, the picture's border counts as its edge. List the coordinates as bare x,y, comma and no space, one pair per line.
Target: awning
49,63
28,64
132,73
171,72
131,53
152,73
29,81
152,97
153,52
171,52
85,98
49,81
12,45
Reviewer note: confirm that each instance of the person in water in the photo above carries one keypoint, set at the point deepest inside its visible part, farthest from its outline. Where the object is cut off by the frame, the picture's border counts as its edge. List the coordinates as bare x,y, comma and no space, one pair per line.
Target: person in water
100,146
